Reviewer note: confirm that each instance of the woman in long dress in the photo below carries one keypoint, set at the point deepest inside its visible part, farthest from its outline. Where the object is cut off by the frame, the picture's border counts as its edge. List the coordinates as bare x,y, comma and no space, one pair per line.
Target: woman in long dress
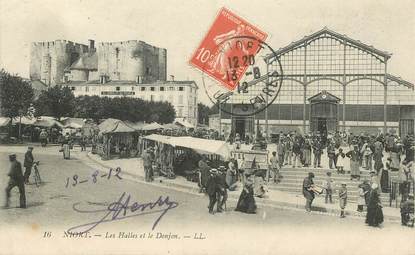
246,202
374,216
66,151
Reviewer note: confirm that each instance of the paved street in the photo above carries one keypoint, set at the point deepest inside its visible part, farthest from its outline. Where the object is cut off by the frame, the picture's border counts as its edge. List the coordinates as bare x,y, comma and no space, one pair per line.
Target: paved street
50,208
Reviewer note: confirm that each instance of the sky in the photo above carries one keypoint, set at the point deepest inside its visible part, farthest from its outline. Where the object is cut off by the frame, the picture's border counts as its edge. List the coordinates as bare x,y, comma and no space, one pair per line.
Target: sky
179,26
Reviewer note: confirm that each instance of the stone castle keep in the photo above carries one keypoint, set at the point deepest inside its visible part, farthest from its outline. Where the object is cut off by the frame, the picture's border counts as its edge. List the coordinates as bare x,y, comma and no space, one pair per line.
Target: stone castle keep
61,61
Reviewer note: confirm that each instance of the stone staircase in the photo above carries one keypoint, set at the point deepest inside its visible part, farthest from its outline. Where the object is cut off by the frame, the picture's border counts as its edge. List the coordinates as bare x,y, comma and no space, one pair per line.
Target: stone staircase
292,182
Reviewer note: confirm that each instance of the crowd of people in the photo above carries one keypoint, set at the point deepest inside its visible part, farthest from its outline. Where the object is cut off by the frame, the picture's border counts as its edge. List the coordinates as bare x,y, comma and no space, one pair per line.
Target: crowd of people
363,151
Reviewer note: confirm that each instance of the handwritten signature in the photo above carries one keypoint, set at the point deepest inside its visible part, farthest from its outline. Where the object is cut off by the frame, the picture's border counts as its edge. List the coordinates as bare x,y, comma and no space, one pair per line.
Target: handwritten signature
122,210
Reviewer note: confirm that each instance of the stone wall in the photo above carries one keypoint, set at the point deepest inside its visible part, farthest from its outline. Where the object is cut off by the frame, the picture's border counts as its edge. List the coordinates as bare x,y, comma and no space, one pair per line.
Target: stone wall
48,60
129,59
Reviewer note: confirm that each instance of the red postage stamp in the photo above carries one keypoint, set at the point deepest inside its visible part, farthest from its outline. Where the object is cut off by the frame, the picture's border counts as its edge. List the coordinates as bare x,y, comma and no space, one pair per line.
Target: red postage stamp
224,54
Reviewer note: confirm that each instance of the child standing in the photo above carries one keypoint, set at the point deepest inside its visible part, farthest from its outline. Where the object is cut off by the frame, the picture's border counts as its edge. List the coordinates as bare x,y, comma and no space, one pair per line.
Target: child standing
341,158
328,186
343,199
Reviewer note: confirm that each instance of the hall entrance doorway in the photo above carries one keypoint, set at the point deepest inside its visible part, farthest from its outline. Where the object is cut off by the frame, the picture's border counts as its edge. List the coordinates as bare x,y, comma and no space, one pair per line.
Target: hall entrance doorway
243,126
324,114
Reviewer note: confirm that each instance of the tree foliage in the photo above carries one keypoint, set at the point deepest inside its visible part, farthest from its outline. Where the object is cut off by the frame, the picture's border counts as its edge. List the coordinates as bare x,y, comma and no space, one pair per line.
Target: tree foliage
16,95
57,102
203,114
123,108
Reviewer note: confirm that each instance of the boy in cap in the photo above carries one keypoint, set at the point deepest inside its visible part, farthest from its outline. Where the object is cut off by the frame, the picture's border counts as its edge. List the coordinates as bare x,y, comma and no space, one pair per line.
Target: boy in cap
16,179
343,198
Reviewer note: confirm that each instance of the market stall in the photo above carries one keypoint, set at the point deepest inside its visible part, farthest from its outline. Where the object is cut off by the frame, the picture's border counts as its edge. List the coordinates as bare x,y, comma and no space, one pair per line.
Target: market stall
4,128
182,154
116,139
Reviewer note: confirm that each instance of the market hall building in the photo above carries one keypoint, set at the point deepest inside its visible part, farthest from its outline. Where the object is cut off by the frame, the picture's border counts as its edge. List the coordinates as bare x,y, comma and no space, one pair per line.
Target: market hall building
331,83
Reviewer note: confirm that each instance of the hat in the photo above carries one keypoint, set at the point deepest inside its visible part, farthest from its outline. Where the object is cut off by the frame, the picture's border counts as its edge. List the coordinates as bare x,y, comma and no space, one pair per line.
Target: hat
222,168
344,183
12,156
30,147
213,170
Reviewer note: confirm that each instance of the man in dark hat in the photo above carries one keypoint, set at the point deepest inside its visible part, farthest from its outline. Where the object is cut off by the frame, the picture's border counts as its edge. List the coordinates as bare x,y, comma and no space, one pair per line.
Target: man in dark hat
317,151
16,179
308,193
28,163
222,193
212,188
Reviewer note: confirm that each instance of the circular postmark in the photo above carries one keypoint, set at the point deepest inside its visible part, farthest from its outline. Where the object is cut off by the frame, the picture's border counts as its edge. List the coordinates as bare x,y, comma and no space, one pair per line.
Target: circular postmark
256,77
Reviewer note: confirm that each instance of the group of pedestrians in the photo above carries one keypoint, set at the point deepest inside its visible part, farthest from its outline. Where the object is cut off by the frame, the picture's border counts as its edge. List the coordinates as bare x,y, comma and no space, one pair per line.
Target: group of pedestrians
374,215
217,182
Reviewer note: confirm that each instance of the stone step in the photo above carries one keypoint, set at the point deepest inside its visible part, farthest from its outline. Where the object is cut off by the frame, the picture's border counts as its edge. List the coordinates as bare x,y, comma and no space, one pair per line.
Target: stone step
286,177
299,188
351,186
352,198
320,172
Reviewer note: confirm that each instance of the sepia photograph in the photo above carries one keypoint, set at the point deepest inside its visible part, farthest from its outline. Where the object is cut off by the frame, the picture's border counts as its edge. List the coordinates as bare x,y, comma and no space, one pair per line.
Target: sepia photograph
207,127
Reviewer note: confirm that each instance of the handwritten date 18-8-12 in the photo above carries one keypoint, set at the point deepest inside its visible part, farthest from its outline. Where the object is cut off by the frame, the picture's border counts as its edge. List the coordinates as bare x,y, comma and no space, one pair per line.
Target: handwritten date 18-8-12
75,180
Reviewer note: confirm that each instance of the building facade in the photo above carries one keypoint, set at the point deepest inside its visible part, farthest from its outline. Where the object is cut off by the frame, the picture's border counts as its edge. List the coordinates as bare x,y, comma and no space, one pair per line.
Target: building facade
113,69
332,83
181,94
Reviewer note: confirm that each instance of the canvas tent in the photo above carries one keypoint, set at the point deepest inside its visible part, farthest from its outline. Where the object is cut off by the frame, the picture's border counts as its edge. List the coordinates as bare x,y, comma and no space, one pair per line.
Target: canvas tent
4,121
114,126
151,126
184,123
24,121
47,122
117,138
73,123
136,125
172,126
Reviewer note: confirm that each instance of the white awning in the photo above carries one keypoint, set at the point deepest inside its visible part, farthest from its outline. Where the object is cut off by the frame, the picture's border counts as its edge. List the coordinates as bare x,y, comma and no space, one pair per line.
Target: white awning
202,146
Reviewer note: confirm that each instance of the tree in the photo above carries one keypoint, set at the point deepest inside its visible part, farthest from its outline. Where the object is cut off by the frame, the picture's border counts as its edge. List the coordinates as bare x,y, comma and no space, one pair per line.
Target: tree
16,95
123,108
164,110
214,109
88,107
203,114
57,102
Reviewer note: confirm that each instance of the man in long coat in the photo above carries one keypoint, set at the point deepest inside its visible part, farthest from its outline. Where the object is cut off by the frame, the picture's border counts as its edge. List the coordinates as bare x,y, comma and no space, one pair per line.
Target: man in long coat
307,191
212,189
16,179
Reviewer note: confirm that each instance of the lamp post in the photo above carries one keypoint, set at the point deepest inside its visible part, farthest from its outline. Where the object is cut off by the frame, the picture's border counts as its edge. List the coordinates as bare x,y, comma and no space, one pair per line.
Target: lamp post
20,124
220,119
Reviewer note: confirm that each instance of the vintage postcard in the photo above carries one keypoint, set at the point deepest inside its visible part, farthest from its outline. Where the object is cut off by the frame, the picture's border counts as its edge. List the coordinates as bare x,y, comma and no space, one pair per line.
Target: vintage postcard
207,127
